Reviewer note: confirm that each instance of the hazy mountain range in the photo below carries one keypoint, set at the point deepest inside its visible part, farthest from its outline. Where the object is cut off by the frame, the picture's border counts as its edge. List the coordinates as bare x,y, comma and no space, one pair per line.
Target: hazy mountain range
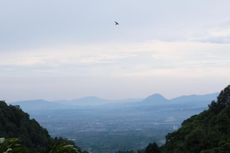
92,101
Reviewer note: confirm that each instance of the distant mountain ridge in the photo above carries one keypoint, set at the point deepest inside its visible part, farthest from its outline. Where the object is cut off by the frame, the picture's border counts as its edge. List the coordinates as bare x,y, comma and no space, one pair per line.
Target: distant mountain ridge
92,101
194,98
158,99
38,104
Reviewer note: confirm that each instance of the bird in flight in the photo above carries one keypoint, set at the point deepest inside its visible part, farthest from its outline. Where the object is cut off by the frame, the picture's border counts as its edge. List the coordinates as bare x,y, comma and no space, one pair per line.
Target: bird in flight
116,23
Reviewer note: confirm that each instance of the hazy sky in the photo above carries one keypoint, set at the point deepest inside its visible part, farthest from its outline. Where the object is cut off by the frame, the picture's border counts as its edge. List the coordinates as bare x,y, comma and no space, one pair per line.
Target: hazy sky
65,49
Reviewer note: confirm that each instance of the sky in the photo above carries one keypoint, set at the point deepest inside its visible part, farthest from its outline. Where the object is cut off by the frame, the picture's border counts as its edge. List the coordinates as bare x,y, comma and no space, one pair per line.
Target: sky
56,49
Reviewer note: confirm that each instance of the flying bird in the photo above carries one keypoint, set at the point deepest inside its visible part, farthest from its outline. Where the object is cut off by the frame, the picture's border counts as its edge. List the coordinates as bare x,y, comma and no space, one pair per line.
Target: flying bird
116,23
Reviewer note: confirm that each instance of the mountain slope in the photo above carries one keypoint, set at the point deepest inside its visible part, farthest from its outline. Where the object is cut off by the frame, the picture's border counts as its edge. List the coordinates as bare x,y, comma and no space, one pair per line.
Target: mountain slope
208,132
18,131
15,123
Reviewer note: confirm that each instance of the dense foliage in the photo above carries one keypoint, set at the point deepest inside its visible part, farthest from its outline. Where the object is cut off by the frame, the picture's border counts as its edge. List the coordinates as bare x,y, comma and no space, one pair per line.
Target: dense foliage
20,134
12,145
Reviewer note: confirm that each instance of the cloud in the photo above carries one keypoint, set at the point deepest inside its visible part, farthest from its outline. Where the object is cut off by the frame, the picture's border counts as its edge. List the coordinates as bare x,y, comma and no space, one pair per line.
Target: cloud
219,33
127,59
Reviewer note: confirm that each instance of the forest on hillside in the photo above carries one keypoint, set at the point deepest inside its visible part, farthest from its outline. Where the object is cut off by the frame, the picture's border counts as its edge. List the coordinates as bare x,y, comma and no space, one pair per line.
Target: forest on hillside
20,134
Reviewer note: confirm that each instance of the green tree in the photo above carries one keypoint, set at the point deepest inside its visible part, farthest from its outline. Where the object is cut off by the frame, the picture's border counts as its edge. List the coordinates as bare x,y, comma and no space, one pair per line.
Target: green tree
12,145
152,148
61,145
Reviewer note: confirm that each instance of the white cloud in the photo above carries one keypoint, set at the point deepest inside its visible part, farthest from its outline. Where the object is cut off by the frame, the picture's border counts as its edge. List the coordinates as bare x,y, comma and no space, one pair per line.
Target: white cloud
144,58
217,33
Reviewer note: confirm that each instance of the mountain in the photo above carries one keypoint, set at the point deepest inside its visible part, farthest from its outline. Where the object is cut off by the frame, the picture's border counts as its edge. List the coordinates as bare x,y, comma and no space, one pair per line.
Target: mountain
92,101
188,100
208,132
95,101
155,99
86,101
40,104
194,98
20,134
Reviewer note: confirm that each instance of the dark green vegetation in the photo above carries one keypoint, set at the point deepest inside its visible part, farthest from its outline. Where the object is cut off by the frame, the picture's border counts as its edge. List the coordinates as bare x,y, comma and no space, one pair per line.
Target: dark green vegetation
20,134
208,132
151,148
12,145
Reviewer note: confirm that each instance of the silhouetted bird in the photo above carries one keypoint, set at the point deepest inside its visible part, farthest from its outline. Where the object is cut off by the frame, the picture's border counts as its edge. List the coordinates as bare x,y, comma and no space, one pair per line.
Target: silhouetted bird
116,23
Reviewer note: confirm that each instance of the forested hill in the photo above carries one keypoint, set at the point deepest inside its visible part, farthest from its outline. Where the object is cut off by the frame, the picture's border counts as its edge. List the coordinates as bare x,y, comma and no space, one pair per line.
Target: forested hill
208,132
20,134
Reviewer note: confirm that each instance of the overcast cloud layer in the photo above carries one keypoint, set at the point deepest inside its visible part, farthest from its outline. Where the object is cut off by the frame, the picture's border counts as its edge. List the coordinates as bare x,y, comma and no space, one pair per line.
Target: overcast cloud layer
57,49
